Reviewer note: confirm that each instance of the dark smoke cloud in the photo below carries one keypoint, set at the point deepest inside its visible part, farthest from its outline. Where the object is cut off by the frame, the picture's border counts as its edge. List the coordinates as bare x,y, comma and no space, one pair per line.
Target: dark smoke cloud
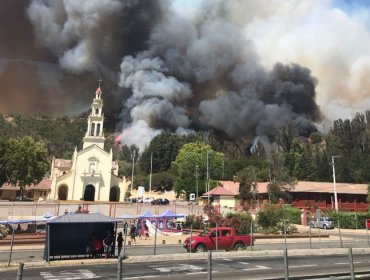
209,72
172,72
53,52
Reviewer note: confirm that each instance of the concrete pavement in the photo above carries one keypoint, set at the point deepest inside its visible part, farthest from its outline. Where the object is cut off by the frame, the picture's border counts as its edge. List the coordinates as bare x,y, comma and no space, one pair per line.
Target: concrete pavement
172,240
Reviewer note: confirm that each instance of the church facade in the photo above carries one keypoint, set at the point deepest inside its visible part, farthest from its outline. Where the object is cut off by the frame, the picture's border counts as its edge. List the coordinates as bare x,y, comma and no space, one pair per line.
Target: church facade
91,174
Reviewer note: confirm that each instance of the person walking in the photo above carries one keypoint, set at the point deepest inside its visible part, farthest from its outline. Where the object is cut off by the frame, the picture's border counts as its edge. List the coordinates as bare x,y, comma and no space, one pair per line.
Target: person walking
119,243
108,243
133,233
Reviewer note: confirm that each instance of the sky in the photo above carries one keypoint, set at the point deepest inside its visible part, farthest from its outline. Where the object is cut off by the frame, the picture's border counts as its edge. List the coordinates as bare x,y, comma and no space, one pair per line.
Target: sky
240,67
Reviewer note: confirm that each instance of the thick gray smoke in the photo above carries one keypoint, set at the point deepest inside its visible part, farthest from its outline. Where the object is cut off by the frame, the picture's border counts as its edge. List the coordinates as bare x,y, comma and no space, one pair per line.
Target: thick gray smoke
178,70
206,71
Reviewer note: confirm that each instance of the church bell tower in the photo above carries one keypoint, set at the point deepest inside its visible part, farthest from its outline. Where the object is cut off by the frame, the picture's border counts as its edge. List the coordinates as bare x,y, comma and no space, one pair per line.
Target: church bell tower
95,121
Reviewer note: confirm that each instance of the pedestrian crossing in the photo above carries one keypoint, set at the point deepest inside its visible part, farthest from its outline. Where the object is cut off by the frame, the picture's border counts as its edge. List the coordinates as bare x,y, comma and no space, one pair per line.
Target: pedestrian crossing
69,275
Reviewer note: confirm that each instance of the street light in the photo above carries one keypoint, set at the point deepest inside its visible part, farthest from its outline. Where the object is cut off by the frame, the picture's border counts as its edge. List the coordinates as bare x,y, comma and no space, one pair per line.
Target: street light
133,168
335,187
196,177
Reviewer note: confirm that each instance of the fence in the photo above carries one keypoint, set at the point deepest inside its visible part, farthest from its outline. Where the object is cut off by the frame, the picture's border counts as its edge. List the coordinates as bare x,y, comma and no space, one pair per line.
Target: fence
9,210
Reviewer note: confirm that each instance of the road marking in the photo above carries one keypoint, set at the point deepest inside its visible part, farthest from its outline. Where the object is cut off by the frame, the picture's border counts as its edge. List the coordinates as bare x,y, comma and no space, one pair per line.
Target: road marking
340,263
69,275
243,262
257,267
228,260
140,277
200,272
303,265
178,268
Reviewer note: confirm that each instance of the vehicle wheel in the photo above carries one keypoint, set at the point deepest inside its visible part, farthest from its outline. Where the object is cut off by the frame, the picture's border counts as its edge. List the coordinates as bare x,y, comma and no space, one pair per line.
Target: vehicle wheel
325,227
311,226
200,248
239,247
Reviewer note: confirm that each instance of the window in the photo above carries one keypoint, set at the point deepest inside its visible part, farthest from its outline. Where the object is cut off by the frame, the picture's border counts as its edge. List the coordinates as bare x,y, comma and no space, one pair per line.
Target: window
96,111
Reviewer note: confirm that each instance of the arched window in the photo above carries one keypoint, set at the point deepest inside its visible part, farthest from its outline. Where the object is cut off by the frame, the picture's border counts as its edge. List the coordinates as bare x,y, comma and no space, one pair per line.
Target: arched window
89,194
63,192
114,194
98,129
96,111
92,129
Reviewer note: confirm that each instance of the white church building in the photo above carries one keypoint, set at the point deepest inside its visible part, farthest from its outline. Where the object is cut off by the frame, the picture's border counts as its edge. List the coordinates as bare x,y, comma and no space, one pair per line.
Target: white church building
92,174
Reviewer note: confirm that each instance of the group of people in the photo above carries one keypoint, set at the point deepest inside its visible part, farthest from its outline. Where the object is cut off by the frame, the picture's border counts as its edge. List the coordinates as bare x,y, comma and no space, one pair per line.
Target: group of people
105,246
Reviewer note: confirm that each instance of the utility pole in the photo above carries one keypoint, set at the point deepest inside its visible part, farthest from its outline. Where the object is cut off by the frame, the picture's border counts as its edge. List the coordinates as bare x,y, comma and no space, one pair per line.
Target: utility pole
335,187
151,169
207,181
196,177
133,168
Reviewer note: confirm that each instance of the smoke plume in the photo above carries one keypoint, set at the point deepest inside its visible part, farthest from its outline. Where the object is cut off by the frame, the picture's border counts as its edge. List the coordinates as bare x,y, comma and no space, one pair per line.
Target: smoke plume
241,67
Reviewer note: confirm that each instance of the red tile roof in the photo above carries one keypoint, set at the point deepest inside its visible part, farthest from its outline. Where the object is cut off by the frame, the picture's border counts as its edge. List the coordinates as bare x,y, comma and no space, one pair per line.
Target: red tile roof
219,191
232,186
321,187
44,184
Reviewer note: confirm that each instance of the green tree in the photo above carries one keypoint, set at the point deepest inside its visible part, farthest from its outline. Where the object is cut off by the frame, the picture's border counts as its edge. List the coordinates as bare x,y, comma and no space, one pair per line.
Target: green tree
281,181
163,149
189,157
26,161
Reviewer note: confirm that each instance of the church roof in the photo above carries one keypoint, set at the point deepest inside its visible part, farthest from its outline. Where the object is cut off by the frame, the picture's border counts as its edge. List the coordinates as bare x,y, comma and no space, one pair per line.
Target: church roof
62,163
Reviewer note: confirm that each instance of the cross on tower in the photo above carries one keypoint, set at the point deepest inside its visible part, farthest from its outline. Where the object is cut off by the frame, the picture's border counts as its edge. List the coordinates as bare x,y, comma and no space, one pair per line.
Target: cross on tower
99,81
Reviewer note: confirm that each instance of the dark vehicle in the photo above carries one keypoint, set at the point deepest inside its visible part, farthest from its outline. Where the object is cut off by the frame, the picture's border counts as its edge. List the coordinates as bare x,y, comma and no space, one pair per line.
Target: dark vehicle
226,238
160,201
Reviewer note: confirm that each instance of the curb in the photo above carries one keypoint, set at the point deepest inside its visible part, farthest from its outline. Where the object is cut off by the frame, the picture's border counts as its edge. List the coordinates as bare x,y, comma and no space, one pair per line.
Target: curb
191,256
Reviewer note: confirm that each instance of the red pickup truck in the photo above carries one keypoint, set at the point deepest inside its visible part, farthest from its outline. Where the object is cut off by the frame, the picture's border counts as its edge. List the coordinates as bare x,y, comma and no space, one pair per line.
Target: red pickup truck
226,239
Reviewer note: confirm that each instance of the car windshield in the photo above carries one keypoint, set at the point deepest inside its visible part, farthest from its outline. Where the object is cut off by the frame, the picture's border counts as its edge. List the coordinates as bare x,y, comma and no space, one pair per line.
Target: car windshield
204,233
329,219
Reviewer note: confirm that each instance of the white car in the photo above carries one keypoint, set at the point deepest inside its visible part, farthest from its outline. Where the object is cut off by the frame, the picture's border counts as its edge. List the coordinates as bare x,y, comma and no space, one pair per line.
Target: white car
148,199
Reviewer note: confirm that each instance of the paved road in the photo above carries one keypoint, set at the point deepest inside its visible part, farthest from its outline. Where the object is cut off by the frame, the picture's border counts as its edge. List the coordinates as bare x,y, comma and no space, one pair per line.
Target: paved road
350,240
223,268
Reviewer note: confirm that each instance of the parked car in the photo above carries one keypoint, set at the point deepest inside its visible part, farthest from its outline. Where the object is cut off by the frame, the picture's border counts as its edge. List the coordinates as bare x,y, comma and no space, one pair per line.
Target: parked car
148,199
323,222
131,199
160,201
226,238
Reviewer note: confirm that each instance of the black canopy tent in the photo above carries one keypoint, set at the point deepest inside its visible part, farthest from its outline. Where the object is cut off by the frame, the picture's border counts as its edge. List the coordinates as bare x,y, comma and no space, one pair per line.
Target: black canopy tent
68,235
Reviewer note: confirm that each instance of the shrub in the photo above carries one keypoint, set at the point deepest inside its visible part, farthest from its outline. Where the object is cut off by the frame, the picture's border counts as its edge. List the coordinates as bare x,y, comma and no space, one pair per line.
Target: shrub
351,220
271,219
3,232
270,216
293,215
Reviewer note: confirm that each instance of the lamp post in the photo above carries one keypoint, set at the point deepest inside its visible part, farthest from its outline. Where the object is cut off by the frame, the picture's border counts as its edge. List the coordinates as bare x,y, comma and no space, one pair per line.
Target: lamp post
151,170
207,181
196,177
334,183
133,168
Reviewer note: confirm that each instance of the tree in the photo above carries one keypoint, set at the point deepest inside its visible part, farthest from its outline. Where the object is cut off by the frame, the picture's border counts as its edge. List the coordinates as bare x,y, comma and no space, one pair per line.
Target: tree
281,182
3,148
25,161
248,183
164,149
189,157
